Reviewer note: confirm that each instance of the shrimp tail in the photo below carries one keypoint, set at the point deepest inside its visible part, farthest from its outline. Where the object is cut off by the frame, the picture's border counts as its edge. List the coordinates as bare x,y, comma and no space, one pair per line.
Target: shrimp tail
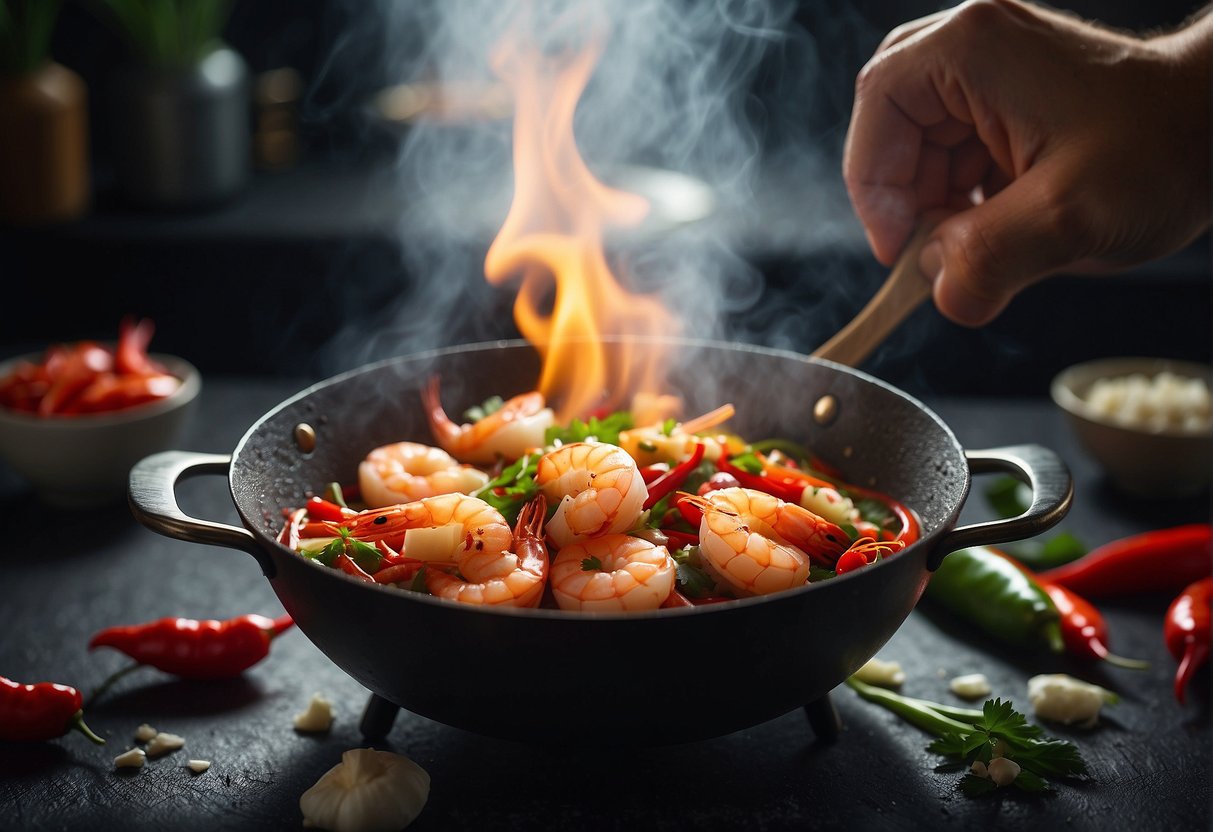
444,430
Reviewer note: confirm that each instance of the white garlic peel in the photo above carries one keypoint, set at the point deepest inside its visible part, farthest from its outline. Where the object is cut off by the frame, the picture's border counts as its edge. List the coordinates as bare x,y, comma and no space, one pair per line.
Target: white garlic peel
318,717
135,758
971,686
368,791
881,673
163,743
1062,698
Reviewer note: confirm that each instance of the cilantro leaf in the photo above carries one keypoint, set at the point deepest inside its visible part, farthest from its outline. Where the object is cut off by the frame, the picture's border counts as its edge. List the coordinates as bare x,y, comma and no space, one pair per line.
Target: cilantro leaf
606,429
591,564
876,512
748,462
693,582
486,408
513,488
964,737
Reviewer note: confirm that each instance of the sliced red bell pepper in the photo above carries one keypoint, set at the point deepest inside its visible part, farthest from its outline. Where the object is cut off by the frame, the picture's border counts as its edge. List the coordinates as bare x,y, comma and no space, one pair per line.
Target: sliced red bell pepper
675,477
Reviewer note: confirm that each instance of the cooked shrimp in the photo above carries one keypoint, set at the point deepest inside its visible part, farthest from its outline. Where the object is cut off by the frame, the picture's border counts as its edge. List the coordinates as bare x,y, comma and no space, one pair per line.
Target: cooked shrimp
599,489
759,544
509,432
612,573
514,580
406,471
449,528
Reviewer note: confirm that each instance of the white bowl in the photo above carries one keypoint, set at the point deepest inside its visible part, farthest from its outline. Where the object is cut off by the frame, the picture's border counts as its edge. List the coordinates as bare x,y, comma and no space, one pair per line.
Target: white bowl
1164,463
83,461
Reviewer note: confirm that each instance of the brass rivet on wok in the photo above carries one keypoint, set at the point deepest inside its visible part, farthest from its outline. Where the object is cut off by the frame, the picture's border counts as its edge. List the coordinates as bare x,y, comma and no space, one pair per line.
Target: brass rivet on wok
305,437
825,410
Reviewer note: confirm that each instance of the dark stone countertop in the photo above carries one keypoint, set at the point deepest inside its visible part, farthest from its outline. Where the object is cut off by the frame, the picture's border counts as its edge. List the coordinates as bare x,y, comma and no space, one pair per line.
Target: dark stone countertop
70,574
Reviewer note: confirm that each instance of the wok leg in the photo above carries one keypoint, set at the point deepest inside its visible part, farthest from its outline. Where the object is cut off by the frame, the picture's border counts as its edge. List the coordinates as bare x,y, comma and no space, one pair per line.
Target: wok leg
378,717
823,718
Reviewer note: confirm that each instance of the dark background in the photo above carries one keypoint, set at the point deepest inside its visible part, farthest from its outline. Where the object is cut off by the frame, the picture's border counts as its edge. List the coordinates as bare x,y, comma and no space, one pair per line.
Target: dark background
266,282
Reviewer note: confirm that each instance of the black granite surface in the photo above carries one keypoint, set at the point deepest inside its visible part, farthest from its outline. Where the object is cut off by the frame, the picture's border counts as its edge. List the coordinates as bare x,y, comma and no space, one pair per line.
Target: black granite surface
67,575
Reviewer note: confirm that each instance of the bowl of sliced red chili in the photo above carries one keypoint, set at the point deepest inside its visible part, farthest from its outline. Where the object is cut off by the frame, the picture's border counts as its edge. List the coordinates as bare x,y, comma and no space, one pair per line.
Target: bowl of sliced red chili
75,418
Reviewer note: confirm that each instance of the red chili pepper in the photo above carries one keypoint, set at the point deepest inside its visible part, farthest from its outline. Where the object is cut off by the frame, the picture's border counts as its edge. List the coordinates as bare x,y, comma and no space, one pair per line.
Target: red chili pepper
1083,628
678,539
86,377
673,478
346,564
1159,561
31,713
196,649
1187,631
133,340
651,472
320,509
787,490
865,552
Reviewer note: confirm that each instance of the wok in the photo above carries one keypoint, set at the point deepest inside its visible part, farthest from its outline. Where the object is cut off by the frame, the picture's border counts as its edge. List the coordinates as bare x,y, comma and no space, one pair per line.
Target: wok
540,675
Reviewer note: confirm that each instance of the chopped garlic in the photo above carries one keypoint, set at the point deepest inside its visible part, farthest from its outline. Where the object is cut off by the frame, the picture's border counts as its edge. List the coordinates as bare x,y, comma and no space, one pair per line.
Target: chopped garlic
145,732
163,743
971,686
367,790
1064,699
318,717
881,673
1003,771
135,758
198,766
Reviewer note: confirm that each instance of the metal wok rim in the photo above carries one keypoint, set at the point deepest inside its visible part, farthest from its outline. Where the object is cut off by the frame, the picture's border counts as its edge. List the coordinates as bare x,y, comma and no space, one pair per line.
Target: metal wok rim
784,596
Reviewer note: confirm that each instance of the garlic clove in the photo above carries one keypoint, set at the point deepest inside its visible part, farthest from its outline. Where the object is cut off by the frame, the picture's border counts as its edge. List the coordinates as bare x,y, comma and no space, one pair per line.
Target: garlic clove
881,673
163,743
1062,698
368,791
1003,771
971,686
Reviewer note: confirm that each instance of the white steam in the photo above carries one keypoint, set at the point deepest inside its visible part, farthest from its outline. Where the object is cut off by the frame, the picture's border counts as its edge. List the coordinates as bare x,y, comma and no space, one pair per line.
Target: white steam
675,90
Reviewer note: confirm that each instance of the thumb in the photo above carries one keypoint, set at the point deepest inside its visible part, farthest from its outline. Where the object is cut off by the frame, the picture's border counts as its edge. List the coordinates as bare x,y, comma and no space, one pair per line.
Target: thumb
980,258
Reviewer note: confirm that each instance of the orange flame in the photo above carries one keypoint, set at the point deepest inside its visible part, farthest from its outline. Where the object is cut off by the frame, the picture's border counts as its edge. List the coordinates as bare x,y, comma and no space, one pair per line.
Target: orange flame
554,232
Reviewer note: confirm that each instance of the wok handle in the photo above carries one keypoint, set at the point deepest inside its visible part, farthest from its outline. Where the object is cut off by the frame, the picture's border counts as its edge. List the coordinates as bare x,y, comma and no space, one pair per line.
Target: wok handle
153,501
1052,493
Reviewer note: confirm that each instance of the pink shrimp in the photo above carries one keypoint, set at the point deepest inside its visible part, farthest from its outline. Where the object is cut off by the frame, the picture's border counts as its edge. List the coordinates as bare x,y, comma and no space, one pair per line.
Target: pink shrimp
598,487
612,573
405,471
759,544
519,584
510,431
448,528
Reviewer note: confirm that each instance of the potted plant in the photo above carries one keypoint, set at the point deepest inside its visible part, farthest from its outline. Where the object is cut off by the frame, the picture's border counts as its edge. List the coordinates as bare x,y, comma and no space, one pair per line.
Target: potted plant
44,170
179,111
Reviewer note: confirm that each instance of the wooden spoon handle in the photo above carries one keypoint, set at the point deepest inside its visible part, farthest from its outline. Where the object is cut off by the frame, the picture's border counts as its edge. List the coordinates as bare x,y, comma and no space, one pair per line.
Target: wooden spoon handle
902,292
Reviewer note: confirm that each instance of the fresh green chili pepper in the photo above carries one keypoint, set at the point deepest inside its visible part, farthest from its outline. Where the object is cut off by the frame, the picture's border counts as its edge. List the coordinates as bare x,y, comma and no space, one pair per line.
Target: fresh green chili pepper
991,593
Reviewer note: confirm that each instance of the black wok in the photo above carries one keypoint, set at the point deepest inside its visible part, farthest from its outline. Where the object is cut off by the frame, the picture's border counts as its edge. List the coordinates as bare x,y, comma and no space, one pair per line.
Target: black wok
542,675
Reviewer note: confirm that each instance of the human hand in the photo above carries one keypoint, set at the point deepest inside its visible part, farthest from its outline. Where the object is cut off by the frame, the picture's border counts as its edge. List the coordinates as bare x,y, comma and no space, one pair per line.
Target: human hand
1060,146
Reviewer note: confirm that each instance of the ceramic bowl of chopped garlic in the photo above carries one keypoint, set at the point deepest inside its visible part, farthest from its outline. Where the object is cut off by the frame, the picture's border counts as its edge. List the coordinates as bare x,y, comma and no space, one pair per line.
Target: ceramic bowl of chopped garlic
1147,421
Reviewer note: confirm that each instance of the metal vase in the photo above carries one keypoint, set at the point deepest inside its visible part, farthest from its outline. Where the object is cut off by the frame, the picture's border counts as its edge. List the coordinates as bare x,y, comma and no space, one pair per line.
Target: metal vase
181,137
